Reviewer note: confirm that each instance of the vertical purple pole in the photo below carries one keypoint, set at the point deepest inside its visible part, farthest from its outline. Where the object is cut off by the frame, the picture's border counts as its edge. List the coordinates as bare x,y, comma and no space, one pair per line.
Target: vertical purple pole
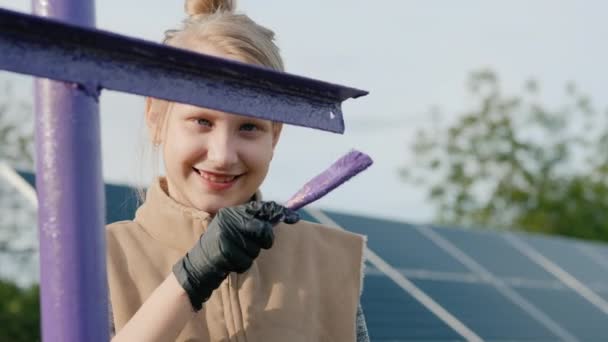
70,190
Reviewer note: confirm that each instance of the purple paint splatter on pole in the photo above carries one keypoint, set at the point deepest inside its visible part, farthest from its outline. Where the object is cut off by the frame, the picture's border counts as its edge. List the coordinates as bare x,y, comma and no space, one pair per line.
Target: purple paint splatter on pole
339,172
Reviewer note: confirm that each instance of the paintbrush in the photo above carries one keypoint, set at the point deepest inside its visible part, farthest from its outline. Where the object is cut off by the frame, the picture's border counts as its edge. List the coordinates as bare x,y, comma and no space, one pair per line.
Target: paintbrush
339,172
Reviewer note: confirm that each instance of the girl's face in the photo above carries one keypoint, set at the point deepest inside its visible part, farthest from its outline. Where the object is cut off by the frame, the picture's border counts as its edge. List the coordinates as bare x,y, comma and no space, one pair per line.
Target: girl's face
212,159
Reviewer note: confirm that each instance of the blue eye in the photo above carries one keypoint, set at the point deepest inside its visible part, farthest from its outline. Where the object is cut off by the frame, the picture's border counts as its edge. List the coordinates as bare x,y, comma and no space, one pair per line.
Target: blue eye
203,122
249,127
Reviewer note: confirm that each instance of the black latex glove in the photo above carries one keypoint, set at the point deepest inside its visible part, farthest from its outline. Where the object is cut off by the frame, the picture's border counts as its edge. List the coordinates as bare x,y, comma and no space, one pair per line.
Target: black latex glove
232,241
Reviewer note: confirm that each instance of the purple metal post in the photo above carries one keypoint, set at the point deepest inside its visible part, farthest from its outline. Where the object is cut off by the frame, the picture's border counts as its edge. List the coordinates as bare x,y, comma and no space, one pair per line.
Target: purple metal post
71,210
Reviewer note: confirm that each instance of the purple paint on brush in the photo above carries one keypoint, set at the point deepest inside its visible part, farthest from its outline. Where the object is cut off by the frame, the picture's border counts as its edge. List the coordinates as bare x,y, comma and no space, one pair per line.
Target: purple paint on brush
339,172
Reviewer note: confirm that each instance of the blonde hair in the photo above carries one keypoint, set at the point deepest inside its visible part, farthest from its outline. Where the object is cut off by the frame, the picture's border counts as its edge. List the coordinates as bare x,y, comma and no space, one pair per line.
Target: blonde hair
216,23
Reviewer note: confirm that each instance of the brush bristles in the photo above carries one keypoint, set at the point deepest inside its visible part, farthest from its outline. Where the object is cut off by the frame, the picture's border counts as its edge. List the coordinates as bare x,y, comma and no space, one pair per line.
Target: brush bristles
339,172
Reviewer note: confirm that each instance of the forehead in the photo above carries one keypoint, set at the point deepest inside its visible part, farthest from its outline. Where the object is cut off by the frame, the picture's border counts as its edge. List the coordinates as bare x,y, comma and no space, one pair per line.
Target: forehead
189,41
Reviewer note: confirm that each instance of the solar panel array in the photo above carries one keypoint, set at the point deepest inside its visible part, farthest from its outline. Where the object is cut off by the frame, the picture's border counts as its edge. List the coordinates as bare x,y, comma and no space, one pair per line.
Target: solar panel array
487,285
430,283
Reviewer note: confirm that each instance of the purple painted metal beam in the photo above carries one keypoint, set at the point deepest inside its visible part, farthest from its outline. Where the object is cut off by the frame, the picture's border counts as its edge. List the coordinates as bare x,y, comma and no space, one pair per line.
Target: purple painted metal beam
74,295
98,59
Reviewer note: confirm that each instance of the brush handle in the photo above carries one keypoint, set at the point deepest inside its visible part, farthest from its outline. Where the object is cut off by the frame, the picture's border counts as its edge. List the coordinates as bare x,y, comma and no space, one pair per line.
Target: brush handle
339,172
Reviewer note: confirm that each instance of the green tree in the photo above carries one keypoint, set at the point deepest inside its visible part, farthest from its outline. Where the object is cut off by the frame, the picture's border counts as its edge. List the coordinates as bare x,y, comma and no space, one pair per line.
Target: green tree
16,130
19,307
19,313
16,150
513,162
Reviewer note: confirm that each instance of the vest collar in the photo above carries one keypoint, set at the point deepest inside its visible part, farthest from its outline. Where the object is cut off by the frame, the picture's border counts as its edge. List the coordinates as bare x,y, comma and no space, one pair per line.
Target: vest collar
168,221
171,222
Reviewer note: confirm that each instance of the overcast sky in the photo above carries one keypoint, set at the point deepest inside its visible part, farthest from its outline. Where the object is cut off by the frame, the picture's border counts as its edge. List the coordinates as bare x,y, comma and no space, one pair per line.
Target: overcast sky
410,55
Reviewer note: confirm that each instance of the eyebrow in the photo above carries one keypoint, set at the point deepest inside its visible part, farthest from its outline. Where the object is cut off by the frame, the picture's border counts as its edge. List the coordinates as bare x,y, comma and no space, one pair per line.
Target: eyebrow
198,111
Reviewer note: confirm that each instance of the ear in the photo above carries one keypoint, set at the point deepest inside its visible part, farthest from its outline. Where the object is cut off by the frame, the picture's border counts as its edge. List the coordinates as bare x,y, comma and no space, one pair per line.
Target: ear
155,112
277,127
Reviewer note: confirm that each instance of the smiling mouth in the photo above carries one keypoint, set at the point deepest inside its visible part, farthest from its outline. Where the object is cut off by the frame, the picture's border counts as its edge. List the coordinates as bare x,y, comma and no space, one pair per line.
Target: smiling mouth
216,177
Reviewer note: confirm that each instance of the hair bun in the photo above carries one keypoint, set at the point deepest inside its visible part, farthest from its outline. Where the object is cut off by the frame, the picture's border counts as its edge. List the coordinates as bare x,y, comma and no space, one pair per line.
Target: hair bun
195,7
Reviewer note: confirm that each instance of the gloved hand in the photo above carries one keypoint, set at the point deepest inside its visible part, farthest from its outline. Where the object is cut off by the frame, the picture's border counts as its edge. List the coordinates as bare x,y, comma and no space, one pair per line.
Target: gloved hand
232,241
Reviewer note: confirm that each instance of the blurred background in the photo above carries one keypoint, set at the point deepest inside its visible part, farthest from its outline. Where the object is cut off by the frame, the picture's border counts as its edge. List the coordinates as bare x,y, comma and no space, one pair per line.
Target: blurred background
480,114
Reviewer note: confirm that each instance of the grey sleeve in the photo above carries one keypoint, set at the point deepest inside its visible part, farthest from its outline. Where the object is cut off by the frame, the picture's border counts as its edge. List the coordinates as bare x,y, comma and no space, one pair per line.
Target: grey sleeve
362,334
111,320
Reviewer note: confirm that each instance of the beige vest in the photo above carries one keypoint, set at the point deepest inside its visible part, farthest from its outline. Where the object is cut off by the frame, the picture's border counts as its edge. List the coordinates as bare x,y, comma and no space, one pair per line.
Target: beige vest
305,288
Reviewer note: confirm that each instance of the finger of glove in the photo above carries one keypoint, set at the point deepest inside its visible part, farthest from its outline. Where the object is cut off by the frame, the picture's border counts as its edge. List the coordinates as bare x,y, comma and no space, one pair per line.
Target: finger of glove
249,239
243,229
253,207
233,216
267,211
290,216
238,258
260,232
276,213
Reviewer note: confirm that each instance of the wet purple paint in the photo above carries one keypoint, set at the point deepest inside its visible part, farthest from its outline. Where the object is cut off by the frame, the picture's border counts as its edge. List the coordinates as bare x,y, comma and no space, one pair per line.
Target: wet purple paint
339,172
100,59
73,283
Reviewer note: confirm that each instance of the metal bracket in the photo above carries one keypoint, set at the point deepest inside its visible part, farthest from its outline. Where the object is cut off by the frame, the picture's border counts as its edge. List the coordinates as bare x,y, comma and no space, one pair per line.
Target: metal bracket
98,59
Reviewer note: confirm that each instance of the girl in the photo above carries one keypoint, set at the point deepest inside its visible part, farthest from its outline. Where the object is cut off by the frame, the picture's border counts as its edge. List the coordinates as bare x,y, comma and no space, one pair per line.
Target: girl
204,258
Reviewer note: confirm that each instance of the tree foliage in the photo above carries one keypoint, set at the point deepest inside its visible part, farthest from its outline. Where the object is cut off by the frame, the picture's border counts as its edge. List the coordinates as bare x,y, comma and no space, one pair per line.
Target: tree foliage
19,307
16,130
17,217
19,313
514,162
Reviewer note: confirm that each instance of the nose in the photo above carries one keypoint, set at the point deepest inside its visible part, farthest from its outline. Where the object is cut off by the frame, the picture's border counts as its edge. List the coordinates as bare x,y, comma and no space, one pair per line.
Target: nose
221,150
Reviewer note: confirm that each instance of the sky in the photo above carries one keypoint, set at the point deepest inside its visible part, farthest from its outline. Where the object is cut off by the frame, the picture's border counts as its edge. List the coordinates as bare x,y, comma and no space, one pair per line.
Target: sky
410,55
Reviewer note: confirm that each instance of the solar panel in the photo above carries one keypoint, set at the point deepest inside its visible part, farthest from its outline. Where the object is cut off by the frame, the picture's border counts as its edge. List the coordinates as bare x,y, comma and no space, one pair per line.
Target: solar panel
599,254
486,311
570,255
393,315
399,244
482,279
571,311
495,254
304,215
598,251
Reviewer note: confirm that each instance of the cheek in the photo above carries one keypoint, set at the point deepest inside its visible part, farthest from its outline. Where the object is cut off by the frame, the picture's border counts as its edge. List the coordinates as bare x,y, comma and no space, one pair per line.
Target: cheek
258,155
183,148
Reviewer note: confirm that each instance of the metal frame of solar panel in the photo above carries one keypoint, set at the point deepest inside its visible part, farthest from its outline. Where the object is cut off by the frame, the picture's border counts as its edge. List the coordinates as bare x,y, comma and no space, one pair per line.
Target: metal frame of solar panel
499,285
431,283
